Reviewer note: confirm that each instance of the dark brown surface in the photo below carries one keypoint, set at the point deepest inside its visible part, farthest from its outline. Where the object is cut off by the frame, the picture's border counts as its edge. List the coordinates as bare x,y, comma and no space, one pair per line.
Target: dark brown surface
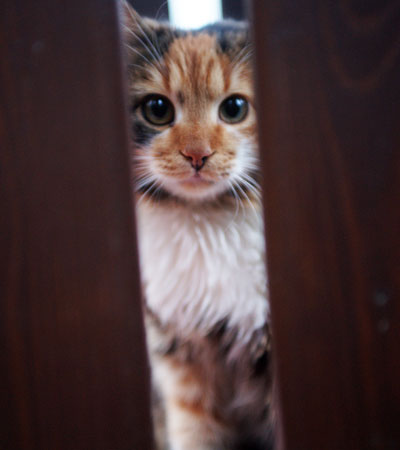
73,373
329,93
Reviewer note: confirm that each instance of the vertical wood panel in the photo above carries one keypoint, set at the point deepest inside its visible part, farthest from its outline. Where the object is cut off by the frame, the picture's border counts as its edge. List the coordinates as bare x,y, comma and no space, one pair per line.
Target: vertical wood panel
329,97
73,372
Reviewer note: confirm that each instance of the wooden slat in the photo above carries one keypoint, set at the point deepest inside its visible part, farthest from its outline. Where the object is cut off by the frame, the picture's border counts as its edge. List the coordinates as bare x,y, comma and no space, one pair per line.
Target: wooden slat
73,372
329,102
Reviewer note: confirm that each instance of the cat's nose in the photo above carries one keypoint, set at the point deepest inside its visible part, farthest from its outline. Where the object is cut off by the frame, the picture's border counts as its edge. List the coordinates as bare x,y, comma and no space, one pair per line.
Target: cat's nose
197,156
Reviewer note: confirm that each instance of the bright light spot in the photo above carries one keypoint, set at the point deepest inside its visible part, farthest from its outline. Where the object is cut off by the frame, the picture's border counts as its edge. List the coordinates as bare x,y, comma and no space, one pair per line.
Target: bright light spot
191,14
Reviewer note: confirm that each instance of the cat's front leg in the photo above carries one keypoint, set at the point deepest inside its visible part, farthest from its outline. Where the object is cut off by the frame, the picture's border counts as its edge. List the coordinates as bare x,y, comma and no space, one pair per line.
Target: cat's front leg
190,423
191,428
185,391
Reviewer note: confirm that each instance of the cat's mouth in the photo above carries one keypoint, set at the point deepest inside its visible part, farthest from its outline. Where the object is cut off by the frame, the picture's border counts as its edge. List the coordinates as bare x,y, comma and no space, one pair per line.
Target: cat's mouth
196,180
195,186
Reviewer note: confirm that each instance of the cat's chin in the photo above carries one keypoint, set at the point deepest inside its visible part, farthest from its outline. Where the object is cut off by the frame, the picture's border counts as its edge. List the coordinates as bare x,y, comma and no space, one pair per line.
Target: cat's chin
196,189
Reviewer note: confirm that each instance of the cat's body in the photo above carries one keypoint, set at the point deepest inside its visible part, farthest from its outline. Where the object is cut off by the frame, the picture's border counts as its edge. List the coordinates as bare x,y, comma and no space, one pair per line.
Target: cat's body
201,233
209,354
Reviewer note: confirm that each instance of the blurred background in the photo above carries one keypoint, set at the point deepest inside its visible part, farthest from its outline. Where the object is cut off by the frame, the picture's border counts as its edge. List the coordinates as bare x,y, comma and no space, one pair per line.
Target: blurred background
190,13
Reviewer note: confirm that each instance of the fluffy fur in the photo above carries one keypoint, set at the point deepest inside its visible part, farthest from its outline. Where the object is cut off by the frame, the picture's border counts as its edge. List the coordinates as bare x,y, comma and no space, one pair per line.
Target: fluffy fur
201,235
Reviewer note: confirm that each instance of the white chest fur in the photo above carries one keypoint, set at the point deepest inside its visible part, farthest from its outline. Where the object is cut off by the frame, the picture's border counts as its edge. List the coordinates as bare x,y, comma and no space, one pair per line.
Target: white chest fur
200,266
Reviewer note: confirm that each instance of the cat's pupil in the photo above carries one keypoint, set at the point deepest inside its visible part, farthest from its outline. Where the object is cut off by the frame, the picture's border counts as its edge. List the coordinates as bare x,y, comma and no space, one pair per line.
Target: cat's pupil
158,107
158,110
233,106
233,109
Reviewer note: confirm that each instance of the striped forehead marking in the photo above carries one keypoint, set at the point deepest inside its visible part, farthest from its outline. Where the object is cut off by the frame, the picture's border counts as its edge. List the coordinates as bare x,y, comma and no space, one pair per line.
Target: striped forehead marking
196,66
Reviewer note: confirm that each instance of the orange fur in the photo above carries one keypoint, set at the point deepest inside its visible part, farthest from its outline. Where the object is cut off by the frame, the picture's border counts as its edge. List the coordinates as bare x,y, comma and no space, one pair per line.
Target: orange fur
200,76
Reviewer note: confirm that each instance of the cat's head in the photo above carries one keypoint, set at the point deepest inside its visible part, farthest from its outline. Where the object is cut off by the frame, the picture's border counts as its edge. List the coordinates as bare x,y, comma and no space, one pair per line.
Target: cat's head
192,109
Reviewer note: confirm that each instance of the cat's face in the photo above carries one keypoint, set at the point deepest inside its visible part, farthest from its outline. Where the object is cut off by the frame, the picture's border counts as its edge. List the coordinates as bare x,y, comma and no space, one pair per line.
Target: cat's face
192,110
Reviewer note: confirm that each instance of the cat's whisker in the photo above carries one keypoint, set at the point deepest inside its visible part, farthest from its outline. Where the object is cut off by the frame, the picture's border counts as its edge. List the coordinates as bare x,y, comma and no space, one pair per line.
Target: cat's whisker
141,156
245,57
244,54
137,37
155,56
238,200
157,53
140,164
143,173
232,190
159,10
250,172
145,181
250,190
152,49
158,191
238,55
141,169
147,190
142,56
251,185
143,178
252,164
244,194
141,67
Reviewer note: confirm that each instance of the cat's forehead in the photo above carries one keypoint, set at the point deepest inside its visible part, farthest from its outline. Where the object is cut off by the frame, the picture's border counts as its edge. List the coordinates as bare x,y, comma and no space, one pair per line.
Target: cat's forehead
195,67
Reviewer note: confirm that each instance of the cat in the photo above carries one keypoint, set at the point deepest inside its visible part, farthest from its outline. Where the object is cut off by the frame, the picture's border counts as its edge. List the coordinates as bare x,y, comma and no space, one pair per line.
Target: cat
200,232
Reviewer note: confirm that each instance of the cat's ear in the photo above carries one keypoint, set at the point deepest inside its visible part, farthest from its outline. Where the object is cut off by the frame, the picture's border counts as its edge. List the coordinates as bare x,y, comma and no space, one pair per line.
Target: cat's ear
129,17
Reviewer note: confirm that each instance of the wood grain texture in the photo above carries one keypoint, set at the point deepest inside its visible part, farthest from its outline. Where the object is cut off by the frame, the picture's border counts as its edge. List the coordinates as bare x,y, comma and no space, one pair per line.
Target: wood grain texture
329,101
73,371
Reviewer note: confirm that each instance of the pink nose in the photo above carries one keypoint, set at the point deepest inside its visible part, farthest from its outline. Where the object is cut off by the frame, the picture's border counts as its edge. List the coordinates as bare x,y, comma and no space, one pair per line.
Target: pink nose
197,156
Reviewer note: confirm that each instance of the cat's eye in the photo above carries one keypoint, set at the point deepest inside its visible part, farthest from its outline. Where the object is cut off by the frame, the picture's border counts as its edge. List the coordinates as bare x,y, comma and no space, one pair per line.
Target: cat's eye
158,110
233,109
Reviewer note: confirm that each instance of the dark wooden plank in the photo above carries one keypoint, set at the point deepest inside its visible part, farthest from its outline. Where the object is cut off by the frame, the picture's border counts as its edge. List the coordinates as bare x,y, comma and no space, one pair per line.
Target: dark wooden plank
73,371
329,97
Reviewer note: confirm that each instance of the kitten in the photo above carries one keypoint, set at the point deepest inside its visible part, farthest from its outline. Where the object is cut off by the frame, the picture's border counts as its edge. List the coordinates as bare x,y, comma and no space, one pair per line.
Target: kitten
201,232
